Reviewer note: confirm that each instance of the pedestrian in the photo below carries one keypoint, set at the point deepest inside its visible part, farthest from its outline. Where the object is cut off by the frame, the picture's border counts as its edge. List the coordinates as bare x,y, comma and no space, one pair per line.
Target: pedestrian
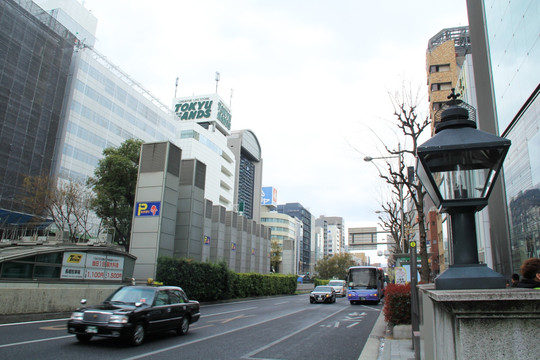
515,280
530,270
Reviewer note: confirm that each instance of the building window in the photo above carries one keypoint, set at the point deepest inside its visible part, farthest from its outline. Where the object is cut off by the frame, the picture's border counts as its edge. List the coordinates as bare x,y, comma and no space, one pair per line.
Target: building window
439,68
441,86
437,106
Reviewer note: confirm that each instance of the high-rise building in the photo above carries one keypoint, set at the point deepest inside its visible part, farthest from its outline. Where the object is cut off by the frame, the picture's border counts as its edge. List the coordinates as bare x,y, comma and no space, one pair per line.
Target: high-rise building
321,237
35,58
298,211
335,235
506,54
248,174
204,126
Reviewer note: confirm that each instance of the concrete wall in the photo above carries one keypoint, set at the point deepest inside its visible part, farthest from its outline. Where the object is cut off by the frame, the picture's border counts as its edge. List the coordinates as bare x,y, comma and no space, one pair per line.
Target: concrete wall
35,298
32,298
479,324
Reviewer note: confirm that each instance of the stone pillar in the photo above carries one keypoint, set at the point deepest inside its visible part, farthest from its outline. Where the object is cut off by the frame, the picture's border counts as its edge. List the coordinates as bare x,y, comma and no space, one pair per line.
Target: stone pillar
207,232
230,245
218,233
189,235
479,324
156,202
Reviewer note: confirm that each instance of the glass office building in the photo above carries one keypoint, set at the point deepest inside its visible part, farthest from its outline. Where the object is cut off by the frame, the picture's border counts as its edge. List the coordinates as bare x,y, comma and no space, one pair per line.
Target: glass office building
513,55
298,211
105,107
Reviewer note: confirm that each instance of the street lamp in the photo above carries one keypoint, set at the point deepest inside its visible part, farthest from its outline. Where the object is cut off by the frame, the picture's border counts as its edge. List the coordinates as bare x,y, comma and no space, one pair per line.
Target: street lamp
458,167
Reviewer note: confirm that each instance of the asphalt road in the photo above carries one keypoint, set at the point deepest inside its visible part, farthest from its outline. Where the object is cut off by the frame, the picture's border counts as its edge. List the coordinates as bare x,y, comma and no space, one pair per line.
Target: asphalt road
285,327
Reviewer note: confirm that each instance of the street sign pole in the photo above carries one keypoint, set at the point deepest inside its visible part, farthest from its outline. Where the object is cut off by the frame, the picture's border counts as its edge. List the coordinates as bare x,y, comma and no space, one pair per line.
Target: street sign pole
414,300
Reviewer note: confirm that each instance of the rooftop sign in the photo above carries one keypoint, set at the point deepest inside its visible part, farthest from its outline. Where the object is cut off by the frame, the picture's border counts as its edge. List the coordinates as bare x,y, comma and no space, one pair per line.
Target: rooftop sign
203,108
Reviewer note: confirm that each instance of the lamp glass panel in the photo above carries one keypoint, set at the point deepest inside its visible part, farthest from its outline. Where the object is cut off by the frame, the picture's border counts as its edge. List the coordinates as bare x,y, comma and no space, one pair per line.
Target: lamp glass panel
462,184
464,174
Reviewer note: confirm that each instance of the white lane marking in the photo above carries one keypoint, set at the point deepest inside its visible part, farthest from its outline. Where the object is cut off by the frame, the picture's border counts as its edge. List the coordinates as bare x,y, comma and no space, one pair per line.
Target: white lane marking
33,322
140,356
228,312
353,324
244,301
36,341
248,356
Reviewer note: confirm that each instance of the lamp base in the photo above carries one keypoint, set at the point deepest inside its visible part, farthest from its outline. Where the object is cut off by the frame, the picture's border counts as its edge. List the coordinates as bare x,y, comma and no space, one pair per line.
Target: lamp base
475,276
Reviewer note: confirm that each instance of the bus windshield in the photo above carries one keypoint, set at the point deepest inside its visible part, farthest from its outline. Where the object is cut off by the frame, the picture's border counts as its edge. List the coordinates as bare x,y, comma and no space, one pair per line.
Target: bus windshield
362,278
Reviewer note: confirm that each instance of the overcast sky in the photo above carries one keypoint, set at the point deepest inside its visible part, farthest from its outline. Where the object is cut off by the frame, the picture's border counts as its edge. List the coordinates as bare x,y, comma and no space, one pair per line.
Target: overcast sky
311,79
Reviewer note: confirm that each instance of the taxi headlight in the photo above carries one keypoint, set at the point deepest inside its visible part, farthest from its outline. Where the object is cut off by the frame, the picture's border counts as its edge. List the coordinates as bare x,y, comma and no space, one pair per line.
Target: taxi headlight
118,319
77,315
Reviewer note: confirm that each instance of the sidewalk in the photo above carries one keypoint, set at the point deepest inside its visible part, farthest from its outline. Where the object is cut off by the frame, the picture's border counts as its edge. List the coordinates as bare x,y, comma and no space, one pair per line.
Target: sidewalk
382,346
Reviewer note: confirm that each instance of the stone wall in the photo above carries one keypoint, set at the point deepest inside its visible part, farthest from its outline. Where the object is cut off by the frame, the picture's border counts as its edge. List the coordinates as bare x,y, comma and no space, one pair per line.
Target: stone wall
31,298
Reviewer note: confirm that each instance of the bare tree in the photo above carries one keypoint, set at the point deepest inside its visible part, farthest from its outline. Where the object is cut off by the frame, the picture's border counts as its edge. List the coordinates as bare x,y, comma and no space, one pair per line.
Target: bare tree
405,111
66,202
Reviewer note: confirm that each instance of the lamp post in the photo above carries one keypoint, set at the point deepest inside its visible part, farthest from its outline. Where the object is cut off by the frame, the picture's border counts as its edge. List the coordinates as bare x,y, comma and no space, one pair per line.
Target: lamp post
458,167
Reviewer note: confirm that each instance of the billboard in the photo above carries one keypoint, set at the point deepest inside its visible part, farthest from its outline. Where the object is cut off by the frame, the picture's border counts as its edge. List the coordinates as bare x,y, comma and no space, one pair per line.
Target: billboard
90,266
203,108
269,196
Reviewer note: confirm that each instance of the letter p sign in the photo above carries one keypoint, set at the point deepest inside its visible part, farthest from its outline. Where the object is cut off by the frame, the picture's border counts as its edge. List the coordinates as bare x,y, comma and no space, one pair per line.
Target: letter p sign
141,208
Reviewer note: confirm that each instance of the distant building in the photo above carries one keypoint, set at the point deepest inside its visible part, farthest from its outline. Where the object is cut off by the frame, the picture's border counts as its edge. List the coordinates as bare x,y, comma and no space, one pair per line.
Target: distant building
335,235
248,174
444,57
284,229
321,238
296,210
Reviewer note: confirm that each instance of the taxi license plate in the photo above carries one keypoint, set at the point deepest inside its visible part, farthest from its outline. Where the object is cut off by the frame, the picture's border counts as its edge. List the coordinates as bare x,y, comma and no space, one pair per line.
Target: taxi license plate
91,329
362,298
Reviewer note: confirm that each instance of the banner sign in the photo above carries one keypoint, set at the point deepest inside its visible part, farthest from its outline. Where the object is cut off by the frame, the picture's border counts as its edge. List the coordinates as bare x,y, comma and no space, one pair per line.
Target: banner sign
203,108
147,208
269,196
80,265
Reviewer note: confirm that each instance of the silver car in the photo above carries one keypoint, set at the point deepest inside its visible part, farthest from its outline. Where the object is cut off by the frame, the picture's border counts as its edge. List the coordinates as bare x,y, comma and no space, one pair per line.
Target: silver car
339,286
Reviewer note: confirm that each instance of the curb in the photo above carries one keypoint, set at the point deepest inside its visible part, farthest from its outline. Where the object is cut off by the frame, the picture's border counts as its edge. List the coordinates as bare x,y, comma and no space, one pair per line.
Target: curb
375,342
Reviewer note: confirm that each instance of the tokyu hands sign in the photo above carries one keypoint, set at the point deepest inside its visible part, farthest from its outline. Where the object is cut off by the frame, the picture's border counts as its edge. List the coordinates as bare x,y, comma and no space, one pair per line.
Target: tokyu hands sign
209,108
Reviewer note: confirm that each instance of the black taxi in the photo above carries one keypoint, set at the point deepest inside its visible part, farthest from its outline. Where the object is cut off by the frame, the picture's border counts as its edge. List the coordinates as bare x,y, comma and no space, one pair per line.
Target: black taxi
132,312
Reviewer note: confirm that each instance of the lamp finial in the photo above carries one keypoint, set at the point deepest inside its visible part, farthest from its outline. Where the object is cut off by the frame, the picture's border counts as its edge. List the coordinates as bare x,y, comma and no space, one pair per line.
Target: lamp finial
453,96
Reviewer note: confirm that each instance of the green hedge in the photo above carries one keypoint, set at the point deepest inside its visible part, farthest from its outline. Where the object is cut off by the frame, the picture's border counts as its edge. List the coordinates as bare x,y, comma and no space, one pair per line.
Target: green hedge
210,282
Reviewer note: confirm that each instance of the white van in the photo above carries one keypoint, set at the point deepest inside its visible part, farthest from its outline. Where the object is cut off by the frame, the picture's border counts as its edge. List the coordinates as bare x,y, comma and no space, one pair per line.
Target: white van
339,286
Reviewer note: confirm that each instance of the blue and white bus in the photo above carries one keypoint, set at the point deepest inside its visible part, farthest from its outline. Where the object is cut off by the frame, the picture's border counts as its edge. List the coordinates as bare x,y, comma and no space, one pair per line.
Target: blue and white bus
365,283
